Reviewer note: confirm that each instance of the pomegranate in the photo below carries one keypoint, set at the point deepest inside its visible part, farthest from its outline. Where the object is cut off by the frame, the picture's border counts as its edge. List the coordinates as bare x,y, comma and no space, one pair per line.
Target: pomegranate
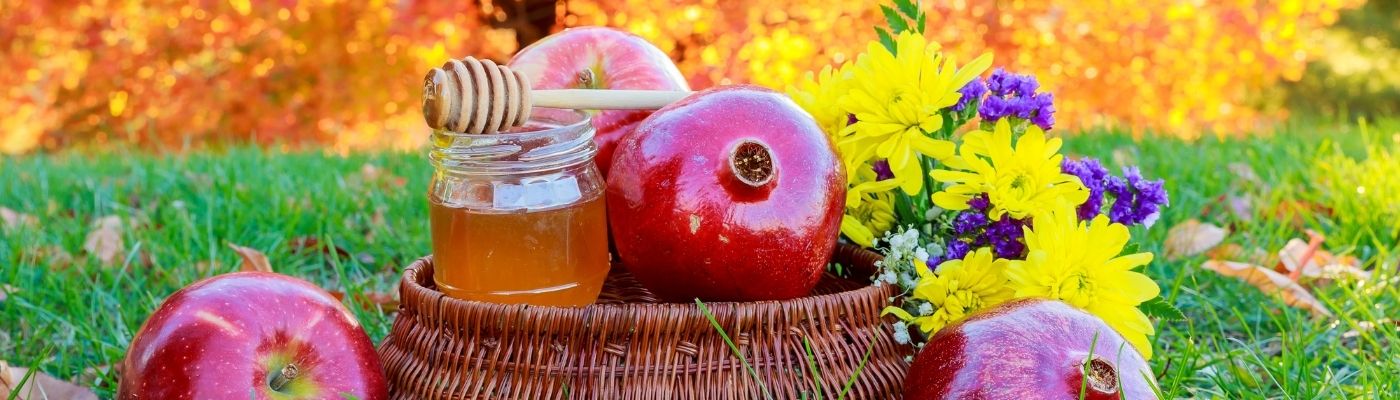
731,194
1029,349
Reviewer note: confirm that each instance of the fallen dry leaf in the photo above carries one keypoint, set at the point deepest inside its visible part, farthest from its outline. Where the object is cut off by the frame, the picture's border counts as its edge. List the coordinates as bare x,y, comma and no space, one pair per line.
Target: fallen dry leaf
1245,173
1320,264
56,258
205,267
371,175
1367,326
253,260
6,290
370,172
1192,237
1297,212
309,244
7,379
1124,156
1270,282
40,386
1231,251
376,222
1241,206
105,240
12,219
385,302
101,376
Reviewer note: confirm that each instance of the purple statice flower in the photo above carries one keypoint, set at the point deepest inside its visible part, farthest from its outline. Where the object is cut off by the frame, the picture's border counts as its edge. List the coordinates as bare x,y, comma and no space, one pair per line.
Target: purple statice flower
994,108
851,119
1044,111
980,202
972,91
1002,83
968,223
1007,237
1006,84
1135,200
1094,177
957,249
932,262
1014,95
882,170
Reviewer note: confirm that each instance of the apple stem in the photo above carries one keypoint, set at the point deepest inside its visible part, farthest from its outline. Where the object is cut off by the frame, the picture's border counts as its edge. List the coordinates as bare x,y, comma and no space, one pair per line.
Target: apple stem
752,163
586,79
283,377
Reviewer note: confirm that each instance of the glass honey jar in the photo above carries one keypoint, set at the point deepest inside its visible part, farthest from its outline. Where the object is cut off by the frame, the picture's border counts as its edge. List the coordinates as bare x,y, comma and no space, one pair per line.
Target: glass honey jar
518,217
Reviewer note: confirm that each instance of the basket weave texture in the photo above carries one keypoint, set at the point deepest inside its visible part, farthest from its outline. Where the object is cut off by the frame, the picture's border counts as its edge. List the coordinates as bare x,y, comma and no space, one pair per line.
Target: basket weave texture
630,346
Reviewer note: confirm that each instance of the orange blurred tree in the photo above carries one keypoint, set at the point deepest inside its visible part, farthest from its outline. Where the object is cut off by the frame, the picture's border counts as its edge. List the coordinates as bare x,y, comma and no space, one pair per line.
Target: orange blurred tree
165,73
1183,67
161,73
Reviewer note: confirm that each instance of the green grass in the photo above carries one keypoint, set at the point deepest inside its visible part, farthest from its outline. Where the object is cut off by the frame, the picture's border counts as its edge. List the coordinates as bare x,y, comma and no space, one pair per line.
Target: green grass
181,211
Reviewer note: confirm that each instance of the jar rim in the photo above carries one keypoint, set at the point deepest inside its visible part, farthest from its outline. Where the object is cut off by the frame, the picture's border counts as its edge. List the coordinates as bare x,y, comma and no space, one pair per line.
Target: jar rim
552,139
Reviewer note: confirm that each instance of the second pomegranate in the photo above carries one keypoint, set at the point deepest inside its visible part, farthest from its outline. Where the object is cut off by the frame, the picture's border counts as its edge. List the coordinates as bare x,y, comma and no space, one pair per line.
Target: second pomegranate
732,194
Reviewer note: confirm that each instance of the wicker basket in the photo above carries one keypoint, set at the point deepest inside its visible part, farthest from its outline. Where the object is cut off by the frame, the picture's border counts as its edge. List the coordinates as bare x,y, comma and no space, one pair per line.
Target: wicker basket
629,346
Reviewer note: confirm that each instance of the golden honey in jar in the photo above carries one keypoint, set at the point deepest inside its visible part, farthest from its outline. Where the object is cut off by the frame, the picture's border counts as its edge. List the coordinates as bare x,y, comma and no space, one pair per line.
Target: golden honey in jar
519,217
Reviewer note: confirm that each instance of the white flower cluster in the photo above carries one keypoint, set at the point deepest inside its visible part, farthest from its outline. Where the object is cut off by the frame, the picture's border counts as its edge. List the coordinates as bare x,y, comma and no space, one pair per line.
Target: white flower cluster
901,332
906,250
903,254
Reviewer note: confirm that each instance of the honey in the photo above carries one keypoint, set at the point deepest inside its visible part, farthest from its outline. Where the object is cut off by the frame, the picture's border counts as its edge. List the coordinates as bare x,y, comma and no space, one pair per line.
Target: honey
518,216
556,257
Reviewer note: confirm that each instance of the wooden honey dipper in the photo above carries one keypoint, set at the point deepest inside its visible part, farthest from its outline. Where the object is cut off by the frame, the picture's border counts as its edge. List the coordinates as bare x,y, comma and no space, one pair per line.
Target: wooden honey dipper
482,97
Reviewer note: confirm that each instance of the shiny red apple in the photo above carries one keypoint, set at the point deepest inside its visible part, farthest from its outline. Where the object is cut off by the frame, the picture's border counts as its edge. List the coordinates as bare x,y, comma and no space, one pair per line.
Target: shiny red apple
593,57
251,335
732,193
1029,349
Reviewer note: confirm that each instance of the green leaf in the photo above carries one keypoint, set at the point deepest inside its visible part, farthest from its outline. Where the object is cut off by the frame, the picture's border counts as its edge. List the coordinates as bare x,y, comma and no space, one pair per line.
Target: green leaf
1131,248
1162,309
885,39
896,22
908,7
919,22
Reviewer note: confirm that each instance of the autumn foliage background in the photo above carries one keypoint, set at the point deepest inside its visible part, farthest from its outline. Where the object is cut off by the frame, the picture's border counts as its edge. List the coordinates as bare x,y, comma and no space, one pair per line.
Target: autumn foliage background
344,74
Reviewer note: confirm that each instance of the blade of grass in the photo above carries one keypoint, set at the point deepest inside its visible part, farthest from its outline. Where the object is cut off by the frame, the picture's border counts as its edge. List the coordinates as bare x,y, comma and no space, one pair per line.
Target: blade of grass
812,366
733,348
869,349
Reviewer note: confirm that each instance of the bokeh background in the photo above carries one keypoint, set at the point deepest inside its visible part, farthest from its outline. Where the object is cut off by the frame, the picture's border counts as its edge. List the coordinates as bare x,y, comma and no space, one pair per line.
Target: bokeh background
344,75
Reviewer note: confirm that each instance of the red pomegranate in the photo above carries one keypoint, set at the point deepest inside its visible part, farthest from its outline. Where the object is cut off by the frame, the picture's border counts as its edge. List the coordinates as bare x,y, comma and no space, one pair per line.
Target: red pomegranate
1029,349
732,193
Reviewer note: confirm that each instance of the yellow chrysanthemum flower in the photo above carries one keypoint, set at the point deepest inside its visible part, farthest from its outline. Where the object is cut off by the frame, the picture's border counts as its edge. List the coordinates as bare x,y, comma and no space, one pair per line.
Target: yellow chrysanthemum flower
1020,180
1078,263
958,288
896,98
869,208
871,219
820,95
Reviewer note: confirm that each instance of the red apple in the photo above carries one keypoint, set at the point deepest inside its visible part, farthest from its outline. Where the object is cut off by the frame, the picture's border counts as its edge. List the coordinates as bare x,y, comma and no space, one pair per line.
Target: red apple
1029,349
251,335
732,193
594,57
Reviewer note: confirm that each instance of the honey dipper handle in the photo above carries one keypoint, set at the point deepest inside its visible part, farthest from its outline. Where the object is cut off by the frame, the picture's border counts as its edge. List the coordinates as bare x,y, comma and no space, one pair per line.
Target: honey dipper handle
481,97
601,99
